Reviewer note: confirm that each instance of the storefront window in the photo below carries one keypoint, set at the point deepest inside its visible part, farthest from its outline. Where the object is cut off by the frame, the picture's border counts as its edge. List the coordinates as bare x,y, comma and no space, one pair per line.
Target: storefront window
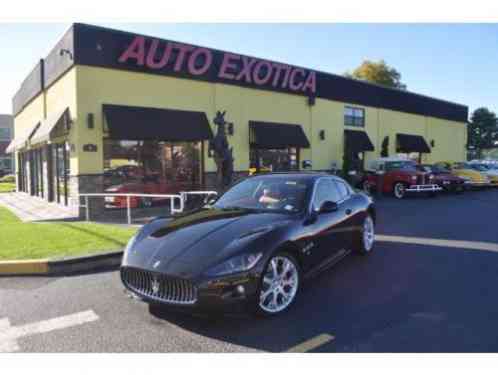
151,167
5,134
6,164
60,173
274,160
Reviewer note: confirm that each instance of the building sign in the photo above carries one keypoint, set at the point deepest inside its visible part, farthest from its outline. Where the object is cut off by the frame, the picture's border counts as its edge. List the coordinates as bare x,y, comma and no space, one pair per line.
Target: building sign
179,58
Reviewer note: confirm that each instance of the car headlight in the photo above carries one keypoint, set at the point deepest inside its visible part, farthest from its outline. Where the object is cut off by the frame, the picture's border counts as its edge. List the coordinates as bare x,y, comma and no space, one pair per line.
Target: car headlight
238,263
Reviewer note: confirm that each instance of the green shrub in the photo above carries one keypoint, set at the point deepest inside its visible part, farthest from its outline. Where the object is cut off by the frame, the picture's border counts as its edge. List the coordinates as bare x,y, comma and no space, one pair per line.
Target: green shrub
8,178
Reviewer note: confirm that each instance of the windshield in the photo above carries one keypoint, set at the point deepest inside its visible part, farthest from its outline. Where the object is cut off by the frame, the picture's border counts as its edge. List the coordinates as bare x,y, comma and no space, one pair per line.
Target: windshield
480,167
406,165
462,166
268,193
438,169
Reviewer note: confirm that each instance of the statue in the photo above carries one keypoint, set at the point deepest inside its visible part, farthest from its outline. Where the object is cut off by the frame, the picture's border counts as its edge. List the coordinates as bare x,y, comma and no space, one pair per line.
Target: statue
223,155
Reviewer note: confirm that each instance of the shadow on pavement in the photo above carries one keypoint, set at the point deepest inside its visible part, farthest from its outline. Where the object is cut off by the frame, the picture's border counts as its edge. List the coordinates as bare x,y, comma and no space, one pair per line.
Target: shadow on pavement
402,298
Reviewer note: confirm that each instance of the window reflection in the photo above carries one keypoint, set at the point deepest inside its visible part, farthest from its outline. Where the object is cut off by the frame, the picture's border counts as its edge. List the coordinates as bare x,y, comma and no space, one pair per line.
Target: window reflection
150,167
274,160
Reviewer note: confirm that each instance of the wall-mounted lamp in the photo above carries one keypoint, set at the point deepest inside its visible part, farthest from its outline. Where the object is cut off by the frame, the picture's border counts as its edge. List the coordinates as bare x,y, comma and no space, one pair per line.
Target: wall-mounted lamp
322,135
433,143
90,121
64,51
230,128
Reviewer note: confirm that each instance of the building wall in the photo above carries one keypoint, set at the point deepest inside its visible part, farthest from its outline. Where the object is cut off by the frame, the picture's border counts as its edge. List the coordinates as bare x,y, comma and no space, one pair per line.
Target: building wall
98,86
85,89
60,95
450,139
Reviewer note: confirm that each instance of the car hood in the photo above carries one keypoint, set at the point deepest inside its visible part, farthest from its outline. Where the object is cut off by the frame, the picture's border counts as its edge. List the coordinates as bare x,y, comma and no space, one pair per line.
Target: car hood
491,173
188,245
446,176
473,175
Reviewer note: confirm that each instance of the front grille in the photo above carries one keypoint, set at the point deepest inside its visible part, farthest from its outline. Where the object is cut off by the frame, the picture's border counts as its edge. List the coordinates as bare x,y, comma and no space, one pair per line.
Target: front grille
159,287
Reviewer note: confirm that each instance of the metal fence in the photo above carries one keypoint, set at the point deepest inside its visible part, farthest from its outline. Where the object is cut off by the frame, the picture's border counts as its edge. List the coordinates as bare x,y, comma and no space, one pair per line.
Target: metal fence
181,198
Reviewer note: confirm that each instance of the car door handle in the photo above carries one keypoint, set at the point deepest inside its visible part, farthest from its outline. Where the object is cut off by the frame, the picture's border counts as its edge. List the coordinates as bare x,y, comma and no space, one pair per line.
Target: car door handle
348,211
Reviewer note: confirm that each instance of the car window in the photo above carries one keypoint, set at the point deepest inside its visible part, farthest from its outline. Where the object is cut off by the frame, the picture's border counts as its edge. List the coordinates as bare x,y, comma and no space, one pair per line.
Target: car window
325,191
342,190
272,193
406,165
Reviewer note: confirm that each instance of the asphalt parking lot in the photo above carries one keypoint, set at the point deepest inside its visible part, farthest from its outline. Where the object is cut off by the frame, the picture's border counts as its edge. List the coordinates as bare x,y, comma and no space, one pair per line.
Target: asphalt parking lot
413,294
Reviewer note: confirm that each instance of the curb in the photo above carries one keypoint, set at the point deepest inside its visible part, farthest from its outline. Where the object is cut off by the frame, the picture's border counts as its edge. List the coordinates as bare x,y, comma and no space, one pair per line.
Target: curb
65,266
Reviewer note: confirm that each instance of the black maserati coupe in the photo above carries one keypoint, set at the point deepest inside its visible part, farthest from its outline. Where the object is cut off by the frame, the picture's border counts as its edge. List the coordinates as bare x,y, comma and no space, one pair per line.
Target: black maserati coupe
252,247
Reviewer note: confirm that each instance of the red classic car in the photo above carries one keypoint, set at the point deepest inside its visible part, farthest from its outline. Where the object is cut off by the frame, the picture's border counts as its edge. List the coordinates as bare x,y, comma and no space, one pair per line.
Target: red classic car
444,178
398,177
143,186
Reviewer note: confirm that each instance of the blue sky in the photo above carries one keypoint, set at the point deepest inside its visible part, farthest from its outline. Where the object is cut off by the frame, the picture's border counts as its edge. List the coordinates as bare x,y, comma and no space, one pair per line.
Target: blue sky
456,62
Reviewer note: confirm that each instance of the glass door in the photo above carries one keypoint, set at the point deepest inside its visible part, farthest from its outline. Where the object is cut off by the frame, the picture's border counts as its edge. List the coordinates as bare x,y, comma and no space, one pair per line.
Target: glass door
60,168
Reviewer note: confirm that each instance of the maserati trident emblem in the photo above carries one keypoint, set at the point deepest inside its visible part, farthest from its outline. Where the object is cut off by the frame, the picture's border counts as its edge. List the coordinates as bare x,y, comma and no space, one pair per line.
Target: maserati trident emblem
155,285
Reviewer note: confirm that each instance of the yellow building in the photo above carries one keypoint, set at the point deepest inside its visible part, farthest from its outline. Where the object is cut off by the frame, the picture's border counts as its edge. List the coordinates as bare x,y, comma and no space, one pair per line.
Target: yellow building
113,111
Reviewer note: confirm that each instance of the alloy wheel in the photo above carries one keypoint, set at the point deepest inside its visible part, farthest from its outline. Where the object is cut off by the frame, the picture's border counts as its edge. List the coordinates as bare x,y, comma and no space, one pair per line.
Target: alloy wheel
368,234
399,190
279,285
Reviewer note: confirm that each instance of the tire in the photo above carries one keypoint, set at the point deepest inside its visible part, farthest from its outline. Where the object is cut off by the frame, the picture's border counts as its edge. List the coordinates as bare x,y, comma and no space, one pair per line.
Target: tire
265,304
367,188
145,202
399,190
364,240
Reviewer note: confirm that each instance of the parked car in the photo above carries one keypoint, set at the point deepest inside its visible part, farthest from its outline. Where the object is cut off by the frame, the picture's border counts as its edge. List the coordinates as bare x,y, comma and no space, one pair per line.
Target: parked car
251,248
146,185
443,178
486,170
398,177
473,178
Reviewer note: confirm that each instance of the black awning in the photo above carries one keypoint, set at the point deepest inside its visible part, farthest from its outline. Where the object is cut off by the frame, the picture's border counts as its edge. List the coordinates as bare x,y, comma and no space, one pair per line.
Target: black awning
358,141
143,123
270,135
411,143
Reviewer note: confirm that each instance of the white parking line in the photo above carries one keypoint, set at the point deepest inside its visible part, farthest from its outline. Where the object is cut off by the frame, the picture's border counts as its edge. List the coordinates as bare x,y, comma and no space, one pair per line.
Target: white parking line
312,343
472,245
9,334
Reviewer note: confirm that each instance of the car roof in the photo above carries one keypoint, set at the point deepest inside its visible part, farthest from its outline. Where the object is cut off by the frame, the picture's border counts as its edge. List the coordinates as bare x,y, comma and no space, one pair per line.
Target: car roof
293,174
298,175
392,158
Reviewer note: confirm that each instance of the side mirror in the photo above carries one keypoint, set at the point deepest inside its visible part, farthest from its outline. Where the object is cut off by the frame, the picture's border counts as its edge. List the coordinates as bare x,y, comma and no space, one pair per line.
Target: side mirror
328,206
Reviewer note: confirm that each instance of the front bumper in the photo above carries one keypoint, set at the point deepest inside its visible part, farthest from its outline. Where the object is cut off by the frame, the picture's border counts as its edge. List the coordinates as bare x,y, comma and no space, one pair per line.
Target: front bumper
230,293
423,188
478,183
449,185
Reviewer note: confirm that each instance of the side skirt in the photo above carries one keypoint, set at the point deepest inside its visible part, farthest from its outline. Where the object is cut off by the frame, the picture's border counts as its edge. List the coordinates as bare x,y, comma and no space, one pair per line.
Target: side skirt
327,263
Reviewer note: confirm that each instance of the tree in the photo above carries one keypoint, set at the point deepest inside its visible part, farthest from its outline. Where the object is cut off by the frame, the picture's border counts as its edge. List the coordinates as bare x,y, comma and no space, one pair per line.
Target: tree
379,73
482,130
